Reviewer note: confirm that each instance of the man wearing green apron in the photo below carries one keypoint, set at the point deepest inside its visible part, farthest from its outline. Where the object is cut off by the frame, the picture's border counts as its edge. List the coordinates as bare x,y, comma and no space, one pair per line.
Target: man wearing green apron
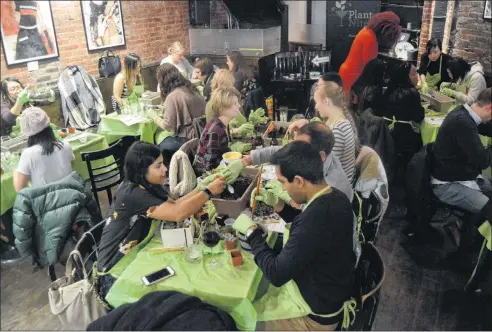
433,68
318,259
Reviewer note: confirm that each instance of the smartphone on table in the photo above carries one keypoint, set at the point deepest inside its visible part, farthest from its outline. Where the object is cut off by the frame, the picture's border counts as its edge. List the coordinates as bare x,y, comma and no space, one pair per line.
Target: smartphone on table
157,276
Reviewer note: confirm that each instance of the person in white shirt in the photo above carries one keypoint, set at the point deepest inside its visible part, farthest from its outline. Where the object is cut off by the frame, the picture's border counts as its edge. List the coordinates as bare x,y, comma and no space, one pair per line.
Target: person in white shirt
176,57
46,160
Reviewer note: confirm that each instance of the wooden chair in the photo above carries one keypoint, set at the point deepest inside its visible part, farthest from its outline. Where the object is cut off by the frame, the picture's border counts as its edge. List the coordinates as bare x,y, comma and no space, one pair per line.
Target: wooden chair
103,178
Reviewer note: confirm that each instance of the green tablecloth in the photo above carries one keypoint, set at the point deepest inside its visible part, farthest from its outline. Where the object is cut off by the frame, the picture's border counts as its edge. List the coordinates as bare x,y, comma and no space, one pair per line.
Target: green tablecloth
7,191
229,288
113,129
429,132
93,143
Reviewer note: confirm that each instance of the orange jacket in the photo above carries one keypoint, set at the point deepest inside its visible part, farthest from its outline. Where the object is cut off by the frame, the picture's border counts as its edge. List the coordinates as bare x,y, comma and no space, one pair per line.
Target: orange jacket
363,49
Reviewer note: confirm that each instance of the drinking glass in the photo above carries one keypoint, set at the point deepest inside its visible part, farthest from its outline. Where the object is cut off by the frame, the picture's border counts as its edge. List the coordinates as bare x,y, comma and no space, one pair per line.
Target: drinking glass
211,238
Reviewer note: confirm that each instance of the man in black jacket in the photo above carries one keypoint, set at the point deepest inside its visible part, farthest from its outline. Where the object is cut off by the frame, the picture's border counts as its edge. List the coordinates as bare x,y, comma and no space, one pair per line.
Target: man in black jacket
460,157
319,253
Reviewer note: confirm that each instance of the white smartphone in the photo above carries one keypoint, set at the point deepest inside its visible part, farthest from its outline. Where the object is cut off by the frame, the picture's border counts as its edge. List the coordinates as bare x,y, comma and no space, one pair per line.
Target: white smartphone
157,276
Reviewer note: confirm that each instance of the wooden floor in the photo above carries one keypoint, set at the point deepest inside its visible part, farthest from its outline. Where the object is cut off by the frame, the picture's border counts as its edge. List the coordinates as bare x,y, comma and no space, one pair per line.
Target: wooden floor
412,297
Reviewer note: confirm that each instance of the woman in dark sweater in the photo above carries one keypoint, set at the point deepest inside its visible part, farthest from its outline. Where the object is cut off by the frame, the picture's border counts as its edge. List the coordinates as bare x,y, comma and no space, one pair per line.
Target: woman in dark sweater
433,68
403,104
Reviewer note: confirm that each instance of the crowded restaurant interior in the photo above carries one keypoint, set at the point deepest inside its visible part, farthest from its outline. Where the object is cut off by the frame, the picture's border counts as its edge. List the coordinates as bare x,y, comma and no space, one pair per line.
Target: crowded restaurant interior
188,165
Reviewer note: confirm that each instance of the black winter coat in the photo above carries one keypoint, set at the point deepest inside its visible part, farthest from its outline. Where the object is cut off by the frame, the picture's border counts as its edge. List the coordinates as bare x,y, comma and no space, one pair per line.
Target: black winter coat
165,311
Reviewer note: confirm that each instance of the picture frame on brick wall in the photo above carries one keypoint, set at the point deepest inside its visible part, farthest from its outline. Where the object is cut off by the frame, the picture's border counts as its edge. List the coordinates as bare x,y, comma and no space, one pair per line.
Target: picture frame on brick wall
487,11
103,24
28,32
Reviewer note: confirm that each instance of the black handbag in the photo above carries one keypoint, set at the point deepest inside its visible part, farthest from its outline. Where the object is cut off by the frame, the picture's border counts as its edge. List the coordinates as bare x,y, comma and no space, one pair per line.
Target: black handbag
109,65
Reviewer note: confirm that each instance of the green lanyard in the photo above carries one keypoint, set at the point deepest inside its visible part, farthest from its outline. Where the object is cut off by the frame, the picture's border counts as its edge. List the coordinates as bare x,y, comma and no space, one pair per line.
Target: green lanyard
318,194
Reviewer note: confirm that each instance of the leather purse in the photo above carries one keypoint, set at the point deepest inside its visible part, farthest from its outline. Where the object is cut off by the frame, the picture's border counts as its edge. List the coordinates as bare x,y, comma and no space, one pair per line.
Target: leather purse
109,64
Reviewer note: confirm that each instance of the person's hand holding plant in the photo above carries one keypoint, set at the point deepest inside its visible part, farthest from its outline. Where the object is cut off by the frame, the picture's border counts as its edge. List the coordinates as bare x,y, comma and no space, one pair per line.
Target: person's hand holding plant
258,117
23,97
232,172
264,196
217,186
243,223
448,92
206,181
275,187
246,130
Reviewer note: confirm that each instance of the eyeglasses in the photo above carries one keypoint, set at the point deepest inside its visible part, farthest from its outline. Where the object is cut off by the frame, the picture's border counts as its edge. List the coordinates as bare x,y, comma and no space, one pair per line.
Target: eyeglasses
15,88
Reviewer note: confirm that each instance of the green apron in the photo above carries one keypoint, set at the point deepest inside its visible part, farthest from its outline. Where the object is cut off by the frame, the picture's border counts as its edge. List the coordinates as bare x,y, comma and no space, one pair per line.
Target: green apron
433,80
348,306
415,126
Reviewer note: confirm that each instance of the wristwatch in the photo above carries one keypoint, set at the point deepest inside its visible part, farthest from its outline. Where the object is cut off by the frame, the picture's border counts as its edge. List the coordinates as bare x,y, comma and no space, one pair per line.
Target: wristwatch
250,231
208,192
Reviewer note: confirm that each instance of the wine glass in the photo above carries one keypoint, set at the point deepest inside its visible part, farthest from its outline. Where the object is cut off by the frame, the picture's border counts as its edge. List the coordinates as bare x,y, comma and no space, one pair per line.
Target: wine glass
211,238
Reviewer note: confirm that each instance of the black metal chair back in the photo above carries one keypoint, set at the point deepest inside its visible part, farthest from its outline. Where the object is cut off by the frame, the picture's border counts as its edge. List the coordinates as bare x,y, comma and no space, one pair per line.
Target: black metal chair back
103,178
369,277
88,248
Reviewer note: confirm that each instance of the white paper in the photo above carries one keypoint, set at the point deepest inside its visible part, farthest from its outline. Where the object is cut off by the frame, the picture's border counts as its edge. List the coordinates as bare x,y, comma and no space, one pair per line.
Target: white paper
130,119
276,227
435,121
173,238
32,66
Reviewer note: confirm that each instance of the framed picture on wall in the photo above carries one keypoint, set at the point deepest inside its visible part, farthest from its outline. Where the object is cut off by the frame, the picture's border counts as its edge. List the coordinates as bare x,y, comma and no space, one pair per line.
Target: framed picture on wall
487,12
28,32
103,24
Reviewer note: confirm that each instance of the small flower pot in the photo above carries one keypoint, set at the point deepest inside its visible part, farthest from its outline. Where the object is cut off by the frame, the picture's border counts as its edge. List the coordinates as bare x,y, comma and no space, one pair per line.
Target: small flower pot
230,245
237,258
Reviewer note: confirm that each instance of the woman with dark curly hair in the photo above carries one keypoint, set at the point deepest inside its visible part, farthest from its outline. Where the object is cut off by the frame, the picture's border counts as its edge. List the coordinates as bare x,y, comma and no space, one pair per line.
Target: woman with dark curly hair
367,90
182,104
383,29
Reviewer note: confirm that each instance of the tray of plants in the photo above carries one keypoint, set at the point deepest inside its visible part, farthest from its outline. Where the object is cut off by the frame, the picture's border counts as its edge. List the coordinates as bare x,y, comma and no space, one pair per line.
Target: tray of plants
438,101
232,204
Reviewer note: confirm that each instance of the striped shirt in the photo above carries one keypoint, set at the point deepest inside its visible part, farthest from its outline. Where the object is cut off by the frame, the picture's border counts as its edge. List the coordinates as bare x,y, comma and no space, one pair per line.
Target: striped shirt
344,148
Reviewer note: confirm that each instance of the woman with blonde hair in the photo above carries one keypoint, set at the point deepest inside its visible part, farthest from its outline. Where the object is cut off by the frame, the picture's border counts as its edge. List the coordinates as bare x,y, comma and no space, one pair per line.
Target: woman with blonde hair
222,79
125,82
238,126
176,58
332,107
224,106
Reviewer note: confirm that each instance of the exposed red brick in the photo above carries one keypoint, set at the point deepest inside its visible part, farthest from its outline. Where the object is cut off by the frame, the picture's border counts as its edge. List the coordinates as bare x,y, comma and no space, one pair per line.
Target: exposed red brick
150,27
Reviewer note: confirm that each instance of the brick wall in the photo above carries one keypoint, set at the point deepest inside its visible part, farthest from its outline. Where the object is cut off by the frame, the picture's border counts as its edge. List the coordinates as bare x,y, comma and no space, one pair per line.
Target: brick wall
472,38
426,28
150,27
218,14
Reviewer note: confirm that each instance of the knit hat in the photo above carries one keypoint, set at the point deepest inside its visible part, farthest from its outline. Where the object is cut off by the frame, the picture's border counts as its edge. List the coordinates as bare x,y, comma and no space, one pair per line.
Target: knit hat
33,120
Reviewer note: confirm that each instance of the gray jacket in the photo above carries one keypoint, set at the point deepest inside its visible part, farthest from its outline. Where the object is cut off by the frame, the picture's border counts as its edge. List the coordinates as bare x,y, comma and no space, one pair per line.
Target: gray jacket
332,169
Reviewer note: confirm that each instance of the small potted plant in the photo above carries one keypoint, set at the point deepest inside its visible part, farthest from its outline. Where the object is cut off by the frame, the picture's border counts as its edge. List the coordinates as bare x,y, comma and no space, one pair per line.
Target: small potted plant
237,257
230,241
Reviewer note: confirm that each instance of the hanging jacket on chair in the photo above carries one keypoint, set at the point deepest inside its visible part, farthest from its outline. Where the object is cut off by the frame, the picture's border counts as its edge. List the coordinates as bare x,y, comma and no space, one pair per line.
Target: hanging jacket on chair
418,187
43,217
373,132
81,99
